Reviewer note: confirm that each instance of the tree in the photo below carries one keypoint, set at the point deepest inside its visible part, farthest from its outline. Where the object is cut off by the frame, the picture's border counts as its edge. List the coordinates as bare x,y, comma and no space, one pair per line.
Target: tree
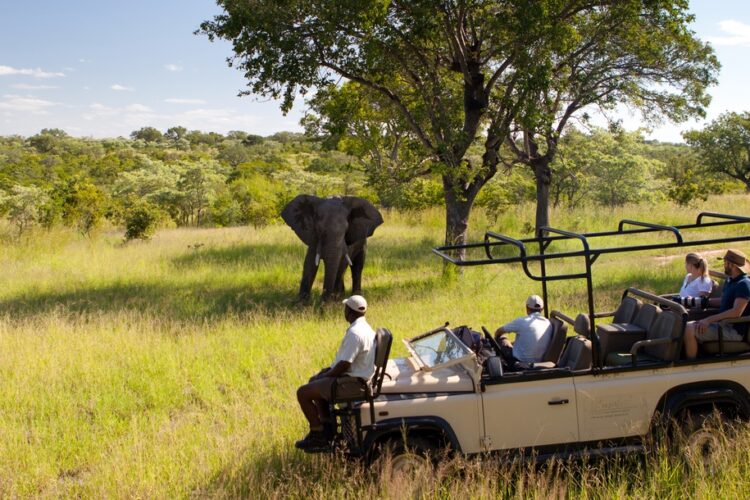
174,134
23,206
613,63
455,73
724,146
147,134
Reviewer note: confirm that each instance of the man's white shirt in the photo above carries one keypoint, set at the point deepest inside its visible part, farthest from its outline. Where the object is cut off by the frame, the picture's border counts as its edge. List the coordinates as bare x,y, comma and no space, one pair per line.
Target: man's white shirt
358,348
533,334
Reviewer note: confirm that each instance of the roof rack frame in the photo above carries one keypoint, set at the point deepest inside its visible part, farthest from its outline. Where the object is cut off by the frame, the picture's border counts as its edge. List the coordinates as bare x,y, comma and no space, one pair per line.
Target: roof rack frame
590,255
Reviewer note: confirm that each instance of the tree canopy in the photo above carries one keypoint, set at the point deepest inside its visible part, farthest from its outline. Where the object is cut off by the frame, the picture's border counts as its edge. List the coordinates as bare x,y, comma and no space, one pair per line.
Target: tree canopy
459,74
724,146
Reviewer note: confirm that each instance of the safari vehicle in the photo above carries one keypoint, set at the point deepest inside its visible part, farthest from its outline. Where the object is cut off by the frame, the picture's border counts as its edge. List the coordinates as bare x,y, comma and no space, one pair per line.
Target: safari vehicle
603,390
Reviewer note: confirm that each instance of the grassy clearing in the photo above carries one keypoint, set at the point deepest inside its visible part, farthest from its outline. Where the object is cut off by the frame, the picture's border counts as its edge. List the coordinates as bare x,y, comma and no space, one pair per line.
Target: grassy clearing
168,368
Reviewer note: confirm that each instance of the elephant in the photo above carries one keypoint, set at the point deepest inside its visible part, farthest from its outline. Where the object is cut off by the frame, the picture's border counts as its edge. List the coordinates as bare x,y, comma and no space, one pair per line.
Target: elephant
335,229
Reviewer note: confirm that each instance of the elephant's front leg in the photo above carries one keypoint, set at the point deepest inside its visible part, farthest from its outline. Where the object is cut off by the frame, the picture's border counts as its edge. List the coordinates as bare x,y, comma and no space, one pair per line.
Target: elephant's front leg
309,270
358,263
338,287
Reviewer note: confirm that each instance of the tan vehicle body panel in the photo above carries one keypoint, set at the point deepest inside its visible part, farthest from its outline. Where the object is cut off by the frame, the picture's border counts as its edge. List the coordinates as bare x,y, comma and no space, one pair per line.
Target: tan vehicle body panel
622,404
405,377
463,412
523,414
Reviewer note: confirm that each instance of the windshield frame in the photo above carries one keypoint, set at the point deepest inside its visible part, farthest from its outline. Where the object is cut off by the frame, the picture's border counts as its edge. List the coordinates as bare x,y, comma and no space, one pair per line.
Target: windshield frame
447,331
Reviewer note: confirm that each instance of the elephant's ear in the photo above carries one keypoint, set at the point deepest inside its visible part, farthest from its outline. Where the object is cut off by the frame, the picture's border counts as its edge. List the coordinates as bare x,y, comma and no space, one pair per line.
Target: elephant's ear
363,219
299,214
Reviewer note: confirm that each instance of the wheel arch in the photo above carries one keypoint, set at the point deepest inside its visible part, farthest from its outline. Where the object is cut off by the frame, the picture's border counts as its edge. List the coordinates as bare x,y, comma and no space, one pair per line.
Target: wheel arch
727,396
431,427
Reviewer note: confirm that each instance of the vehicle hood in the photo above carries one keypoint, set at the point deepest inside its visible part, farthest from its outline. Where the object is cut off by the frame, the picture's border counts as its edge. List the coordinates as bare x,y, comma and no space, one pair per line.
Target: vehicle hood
403,376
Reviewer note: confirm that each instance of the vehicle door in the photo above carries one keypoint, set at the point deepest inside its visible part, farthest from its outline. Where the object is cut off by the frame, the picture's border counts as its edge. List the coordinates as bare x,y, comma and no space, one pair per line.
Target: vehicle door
618,404
530,409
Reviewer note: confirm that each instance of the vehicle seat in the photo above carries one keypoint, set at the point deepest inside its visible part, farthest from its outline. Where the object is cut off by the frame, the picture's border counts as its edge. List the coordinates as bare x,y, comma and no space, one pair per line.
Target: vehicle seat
627,310
557,342
727,346
348,389
641,323
577,354
663,343
582,325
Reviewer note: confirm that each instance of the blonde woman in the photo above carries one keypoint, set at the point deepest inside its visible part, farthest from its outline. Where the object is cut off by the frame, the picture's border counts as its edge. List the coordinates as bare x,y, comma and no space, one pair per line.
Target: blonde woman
697,283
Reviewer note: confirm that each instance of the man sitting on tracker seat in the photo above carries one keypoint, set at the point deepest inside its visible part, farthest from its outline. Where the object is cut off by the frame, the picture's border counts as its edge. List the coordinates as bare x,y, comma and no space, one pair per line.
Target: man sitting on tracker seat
355,358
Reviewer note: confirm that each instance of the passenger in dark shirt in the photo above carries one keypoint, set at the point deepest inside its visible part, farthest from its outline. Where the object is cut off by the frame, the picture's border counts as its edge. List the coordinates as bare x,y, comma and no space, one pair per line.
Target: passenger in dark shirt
732,304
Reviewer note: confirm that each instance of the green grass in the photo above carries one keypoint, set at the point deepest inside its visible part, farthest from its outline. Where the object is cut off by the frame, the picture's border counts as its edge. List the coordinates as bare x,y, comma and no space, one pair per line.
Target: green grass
169,368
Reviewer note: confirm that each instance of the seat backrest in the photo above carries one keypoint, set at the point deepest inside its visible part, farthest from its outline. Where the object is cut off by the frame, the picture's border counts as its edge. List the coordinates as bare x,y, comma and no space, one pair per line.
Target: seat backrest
557,342
582,325
668,325
627,310
646,316
577,354
383,341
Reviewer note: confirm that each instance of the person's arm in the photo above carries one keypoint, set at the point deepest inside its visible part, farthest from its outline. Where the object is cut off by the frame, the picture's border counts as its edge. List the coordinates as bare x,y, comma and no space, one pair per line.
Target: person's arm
339,369
507,328
735,312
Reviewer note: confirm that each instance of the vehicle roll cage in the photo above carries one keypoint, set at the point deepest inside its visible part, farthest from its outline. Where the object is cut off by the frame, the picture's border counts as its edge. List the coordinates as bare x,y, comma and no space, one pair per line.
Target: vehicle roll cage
546,235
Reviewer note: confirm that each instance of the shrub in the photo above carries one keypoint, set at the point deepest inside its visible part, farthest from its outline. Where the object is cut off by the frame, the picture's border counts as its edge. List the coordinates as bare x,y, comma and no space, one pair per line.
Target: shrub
141,221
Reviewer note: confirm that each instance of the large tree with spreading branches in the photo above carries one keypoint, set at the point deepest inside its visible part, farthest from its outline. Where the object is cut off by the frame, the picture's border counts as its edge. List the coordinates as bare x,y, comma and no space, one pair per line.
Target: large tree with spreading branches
456,74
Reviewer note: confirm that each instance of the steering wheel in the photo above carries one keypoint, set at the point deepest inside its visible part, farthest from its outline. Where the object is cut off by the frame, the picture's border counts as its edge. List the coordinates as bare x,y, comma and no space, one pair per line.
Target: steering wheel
493,342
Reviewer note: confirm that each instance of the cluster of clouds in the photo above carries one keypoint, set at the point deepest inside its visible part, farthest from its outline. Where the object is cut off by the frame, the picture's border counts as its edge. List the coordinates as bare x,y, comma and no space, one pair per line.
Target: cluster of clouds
101,119
737,34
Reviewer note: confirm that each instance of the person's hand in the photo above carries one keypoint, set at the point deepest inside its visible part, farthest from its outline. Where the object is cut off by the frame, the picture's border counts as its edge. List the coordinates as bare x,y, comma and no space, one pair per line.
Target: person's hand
701,326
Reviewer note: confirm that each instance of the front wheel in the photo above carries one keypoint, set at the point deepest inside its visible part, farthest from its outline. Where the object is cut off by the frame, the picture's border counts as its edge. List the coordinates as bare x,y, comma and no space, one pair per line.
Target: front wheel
410,457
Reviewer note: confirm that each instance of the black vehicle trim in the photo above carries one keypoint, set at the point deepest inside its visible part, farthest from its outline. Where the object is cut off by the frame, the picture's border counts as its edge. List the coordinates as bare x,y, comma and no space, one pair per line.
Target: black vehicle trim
394,426
403,396
713,392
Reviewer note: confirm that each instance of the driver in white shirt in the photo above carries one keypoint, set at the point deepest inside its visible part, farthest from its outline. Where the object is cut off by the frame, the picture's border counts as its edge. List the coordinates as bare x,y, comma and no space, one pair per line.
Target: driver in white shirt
355,358
533,335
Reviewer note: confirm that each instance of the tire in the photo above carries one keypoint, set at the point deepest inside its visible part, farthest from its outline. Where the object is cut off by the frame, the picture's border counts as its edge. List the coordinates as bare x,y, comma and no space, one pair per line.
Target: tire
702,439
411,458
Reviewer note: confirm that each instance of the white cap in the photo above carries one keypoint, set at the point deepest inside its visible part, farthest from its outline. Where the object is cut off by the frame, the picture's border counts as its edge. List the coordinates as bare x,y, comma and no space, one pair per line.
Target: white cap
356,303
535,302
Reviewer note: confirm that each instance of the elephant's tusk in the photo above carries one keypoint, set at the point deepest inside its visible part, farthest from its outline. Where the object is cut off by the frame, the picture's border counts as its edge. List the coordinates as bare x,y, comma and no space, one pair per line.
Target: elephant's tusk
317,259
348,259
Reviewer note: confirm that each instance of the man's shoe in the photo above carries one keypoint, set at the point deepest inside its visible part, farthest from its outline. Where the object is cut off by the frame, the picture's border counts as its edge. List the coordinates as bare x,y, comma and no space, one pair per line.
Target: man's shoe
314,442
329,430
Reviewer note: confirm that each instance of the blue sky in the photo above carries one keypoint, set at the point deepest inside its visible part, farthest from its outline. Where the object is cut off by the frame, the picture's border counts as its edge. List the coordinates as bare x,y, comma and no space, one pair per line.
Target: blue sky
102,68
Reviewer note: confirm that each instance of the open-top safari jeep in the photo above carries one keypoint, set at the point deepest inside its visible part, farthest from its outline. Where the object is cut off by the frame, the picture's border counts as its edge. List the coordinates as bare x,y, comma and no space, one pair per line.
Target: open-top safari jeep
606,389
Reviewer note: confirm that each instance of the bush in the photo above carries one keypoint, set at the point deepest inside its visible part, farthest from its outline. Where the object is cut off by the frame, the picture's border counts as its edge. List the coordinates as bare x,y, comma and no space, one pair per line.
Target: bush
141,221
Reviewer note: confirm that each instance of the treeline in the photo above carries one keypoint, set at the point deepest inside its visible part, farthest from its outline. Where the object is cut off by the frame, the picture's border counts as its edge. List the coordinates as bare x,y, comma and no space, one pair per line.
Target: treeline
192,178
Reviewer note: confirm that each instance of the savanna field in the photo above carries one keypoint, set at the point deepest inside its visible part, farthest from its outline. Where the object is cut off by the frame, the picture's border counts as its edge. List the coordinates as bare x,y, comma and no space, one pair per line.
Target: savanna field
168,368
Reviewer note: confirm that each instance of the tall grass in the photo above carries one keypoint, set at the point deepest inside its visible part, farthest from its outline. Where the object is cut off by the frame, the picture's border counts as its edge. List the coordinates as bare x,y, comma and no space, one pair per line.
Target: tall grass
169,368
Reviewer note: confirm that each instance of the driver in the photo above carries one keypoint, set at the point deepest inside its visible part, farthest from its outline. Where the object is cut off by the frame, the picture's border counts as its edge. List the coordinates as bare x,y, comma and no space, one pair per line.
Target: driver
355,358
533,335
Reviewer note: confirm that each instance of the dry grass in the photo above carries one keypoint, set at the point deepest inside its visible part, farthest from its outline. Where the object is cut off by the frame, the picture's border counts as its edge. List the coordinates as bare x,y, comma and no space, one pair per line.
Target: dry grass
168,368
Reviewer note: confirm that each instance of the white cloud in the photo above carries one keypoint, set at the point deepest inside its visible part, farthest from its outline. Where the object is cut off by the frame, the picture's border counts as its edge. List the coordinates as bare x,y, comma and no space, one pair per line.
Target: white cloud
737,33
185,101
36,73
26,86
121,88
173,67
138,108
82,60
27,104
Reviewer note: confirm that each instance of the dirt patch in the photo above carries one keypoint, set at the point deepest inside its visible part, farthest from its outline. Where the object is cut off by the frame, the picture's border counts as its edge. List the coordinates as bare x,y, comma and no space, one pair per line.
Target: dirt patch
709,255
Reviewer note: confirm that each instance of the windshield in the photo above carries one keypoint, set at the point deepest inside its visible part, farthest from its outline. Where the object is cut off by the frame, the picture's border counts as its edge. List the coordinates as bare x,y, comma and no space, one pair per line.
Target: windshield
438,348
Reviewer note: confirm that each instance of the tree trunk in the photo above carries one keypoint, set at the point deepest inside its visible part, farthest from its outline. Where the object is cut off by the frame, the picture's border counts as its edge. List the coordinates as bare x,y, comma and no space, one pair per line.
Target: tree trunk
543,177
458,203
